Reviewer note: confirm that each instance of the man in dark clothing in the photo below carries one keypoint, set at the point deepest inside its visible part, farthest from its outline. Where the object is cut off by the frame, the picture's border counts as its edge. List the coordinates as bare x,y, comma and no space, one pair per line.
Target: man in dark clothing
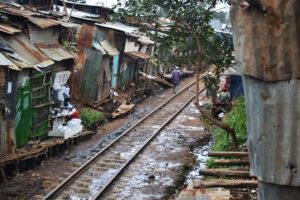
175,78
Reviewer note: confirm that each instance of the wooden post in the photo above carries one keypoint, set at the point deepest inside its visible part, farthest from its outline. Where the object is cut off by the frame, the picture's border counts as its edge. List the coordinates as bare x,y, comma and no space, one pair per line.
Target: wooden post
198,184
228,154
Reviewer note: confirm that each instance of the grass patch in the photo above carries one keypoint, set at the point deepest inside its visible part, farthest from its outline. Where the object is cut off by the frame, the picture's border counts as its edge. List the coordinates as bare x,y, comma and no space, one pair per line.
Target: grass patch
235,118
91,119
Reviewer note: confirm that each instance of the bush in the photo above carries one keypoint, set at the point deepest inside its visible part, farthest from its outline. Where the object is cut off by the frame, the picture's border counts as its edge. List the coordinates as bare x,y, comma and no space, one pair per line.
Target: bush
91,119
235,118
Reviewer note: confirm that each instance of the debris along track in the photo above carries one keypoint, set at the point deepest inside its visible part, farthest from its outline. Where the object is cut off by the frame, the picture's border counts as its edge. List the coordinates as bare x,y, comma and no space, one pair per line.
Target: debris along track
91,179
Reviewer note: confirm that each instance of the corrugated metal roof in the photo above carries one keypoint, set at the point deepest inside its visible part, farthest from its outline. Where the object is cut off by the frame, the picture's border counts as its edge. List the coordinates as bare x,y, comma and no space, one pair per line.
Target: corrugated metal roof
89,4
8,29
78,14
9,9
13,56
137,55
69,24
145,40
7,63
112,51
43,22
129,30
273,123
55,52
22,46
267,44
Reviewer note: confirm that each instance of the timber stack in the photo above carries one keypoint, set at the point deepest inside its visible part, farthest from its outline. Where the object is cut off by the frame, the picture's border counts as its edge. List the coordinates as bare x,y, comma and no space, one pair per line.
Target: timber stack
230,181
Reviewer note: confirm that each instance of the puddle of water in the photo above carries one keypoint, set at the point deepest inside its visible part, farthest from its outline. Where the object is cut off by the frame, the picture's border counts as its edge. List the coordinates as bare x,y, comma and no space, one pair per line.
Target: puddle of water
155,170
99,181
201,158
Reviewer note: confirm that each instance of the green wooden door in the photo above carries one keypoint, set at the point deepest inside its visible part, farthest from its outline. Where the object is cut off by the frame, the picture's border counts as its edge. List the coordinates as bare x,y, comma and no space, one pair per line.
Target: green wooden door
22,122
40,104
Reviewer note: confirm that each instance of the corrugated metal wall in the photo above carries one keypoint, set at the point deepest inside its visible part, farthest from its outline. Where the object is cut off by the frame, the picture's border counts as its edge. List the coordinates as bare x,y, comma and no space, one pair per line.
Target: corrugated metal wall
267,47
273,122
267,38
43,36
91,74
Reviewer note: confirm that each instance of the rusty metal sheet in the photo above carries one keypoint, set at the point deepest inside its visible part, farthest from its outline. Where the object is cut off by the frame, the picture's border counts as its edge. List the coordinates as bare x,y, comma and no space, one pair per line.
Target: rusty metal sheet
8,29
55,52
137,55
45,36
7,63
13,56
22,46
109,48
266,39
69,24
16,11
78,76
43,22
85,36
273,123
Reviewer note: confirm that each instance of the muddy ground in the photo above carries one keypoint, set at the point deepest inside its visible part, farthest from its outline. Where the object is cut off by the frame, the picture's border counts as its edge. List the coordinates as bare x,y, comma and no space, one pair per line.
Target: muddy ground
170,149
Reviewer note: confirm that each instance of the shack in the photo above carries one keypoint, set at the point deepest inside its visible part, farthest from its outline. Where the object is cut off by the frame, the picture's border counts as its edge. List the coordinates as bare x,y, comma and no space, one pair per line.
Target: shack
135,51
13,101
97,62
37,53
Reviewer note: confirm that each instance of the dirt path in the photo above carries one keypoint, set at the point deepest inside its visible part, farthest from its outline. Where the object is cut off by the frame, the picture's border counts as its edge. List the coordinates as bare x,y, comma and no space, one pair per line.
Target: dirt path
35,183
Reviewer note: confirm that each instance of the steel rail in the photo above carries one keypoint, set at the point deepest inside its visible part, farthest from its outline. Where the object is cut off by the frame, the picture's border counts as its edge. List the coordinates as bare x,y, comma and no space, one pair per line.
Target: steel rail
134,156
79,170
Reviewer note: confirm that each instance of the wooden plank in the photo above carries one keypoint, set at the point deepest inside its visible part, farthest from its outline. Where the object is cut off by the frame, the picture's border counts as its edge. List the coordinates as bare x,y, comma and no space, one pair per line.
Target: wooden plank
225,173
231,162
228,154
198,184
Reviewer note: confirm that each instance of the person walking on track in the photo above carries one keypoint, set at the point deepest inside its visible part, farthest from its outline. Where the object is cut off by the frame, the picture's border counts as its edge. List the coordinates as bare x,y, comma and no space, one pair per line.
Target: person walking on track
175,78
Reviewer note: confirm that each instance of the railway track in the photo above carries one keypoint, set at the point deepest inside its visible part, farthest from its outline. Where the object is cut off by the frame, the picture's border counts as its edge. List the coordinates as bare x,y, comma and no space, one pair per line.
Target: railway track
93,178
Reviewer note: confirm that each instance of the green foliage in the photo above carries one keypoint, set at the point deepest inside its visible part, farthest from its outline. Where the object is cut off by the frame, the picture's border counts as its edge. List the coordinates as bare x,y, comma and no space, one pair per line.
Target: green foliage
189,26
219,53
69,46
91,119
235,118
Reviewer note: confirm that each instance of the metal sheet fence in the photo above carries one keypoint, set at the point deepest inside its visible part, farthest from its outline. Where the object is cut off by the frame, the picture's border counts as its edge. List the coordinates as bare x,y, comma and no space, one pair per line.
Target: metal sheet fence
273,123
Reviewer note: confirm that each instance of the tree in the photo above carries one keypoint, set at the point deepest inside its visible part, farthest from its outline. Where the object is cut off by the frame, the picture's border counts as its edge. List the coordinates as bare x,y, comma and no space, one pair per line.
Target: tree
188,34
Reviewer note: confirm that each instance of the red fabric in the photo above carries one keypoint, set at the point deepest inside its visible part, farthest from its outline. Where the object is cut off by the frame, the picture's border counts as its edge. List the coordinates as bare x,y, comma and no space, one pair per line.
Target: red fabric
75,115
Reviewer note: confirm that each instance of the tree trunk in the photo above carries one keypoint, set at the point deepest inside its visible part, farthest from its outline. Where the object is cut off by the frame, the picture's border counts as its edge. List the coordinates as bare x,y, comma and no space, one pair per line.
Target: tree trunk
199,66
220,124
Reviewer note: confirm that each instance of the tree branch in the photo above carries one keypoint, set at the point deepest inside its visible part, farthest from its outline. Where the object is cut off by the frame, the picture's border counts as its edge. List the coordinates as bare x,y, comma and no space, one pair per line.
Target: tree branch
220,124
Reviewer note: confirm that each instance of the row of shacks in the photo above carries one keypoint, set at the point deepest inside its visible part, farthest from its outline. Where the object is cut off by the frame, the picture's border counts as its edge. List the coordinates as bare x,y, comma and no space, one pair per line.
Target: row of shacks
38,46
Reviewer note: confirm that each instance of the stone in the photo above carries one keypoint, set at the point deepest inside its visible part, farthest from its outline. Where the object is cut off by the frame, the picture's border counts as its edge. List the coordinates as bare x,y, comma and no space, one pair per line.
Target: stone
212,194
187,195
151,177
